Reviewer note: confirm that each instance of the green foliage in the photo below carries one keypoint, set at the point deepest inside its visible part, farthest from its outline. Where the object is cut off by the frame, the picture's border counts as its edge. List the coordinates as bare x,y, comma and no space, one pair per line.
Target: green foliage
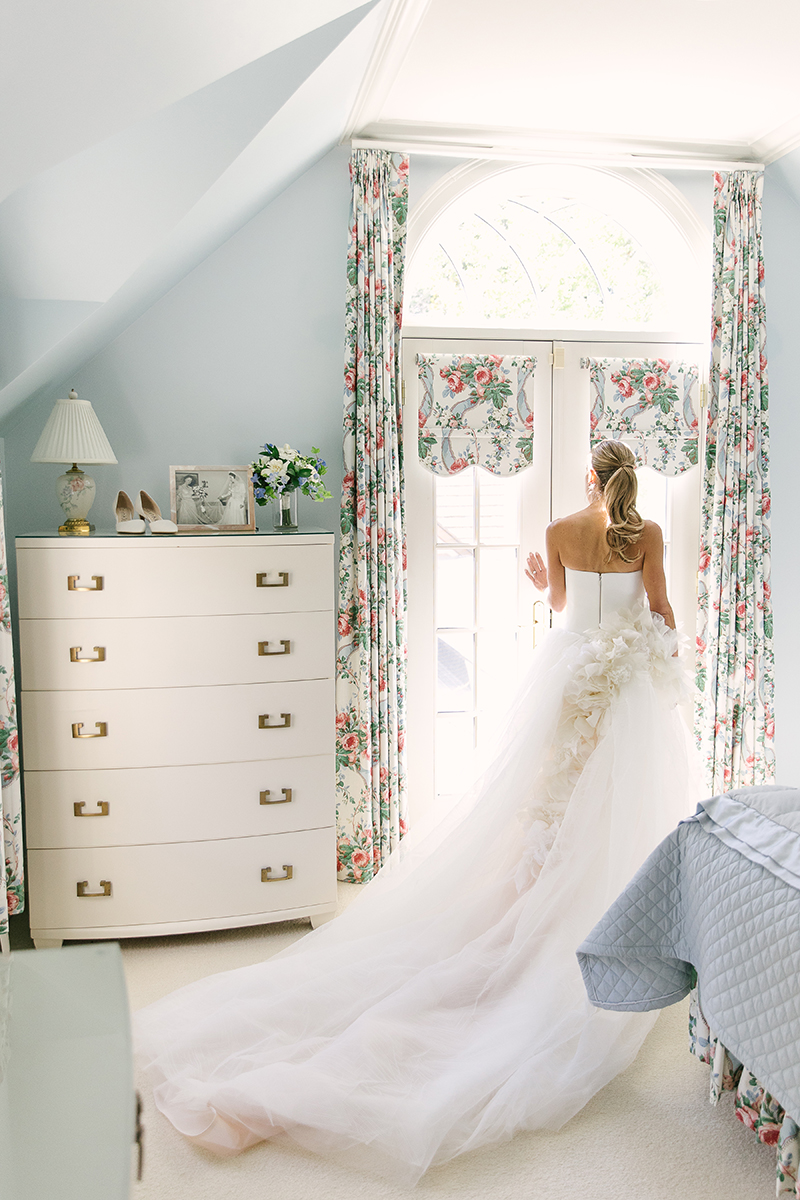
276,471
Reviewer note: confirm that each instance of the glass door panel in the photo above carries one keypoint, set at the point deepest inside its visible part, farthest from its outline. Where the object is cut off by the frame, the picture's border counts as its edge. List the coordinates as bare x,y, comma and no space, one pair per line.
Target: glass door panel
471,609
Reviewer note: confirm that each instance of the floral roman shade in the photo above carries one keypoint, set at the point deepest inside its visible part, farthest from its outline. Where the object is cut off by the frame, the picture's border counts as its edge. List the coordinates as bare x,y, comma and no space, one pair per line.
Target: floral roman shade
650,404
735,664
371,653
12,897
475,410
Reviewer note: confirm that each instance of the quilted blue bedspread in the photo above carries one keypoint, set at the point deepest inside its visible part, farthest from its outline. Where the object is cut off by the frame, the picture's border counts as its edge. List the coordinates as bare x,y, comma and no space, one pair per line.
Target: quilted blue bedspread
720,894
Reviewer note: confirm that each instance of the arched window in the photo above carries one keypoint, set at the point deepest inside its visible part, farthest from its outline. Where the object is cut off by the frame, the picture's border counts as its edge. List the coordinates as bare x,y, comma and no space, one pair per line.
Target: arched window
556,247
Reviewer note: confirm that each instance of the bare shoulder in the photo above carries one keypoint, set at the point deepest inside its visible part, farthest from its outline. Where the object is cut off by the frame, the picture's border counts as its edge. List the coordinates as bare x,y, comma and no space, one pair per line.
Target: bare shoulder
560,529
562,524
651,535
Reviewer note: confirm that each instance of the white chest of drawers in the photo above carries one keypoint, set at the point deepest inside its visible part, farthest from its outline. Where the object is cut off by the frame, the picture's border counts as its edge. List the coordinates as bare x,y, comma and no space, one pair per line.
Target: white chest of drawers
177,732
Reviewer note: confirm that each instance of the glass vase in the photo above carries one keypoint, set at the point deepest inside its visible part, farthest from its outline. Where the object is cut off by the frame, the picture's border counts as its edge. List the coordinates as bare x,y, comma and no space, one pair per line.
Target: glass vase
284,511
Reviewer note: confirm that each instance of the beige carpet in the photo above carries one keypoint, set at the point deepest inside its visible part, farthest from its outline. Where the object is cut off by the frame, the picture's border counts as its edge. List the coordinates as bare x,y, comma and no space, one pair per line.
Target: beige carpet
650,1135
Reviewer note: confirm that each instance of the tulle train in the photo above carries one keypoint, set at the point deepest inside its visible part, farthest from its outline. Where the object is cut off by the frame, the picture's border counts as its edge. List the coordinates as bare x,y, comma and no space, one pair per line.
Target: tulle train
444,1009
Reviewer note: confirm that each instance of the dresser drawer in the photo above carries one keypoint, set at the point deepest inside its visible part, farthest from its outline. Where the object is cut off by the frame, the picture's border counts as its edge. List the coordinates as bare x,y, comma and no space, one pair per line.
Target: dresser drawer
162,578
98,653
173,804
152,885
160,727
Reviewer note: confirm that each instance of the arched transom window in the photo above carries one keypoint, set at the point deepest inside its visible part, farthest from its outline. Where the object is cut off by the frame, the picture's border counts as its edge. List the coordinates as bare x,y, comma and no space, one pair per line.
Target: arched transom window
553,246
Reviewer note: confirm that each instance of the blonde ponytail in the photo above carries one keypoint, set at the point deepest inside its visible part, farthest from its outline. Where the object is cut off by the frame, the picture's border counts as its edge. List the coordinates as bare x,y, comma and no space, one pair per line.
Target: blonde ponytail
615,467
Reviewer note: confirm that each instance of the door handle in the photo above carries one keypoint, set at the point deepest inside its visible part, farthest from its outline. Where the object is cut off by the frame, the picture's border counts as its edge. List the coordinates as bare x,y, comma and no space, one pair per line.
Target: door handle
265,652
73,586
264,722
536,621
261,579
78,726
267,878
75,651
287,797
105,884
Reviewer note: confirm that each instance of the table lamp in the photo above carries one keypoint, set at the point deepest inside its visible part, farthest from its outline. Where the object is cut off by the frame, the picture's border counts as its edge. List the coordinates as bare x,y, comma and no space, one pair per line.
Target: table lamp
72,434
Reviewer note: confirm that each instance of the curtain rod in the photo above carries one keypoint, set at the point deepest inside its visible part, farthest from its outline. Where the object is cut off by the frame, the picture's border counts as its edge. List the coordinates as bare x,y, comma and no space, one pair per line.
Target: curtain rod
643,161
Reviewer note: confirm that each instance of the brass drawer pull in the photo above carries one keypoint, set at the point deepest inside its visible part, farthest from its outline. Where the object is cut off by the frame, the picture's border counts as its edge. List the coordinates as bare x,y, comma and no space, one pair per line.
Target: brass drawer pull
105,884
72,584
287,797
261,579
267,878
101,804
75,651
263,721
265,652
78,726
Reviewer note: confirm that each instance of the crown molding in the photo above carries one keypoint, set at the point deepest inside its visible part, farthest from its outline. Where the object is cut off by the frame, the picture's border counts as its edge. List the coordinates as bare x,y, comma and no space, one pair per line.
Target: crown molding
401,22
779,141
509,144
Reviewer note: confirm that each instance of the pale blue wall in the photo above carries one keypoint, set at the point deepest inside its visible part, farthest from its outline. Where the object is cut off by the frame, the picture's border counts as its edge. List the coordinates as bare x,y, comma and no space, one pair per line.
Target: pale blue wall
782,275
247,348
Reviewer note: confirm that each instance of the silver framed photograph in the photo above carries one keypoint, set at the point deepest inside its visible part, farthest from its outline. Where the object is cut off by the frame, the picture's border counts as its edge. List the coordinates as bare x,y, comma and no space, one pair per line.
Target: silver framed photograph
212,499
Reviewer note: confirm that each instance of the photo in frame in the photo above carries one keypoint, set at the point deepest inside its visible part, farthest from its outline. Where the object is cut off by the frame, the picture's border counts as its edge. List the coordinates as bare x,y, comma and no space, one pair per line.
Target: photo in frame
212,499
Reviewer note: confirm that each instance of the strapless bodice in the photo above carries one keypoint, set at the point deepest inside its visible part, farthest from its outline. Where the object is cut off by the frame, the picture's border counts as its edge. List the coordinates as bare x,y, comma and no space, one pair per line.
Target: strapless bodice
592,596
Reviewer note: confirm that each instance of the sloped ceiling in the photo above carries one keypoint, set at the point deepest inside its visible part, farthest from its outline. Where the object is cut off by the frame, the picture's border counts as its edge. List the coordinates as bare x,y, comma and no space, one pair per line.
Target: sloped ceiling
76,73
87,245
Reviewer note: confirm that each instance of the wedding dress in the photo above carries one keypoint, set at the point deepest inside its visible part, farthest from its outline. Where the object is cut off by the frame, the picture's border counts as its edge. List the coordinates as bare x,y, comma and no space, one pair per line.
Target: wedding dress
444,1009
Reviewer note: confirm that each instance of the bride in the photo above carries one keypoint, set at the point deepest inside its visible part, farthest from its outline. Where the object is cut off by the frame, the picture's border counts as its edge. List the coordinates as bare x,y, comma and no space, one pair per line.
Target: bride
444,1009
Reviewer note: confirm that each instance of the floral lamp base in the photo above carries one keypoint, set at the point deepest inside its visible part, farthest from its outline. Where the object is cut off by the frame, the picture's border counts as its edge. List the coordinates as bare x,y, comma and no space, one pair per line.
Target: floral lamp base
75,492
284,511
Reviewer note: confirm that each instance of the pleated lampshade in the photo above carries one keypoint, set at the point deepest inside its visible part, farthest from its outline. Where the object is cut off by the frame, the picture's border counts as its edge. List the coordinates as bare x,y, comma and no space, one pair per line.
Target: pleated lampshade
73,434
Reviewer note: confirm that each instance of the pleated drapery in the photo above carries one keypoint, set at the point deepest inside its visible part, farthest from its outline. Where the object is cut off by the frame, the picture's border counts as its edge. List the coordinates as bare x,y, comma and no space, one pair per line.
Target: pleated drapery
735,669
371,654
12,895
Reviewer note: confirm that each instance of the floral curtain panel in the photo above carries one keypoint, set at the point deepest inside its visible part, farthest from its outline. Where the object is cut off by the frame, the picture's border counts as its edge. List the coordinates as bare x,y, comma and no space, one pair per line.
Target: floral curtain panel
474,411
12,897
650,404
371,655
735,669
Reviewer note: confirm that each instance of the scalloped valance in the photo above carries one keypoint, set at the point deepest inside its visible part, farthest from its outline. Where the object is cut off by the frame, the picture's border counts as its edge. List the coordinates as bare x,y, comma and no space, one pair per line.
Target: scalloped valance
474,410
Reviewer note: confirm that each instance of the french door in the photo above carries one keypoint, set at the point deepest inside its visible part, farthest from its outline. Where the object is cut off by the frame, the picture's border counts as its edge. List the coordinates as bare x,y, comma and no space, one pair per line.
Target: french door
473,617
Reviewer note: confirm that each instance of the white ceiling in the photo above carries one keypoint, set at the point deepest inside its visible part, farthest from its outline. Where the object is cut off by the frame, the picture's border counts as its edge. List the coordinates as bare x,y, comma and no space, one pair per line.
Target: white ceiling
721,73
715,73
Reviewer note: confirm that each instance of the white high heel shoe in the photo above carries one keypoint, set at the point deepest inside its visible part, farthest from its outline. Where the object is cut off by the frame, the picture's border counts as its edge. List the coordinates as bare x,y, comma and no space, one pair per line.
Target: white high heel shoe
127,521
147,508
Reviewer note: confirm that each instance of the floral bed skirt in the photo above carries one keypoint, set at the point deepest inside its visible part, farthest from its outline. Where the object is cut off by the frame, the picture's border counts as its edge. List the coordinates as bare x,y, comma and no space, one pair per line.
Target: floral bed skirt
753,1105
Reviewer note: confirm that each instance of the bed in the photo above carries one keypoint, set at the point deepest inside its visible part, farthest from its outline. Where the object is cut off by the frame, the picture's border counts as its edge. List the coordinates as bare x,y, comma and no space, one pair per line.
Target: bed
714,913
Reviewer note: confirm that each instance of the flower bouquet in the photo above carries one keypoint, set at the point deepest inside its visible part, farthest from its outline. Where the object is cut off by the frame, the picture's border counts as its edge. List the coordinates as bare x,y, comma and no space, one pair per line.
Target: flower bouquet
279,474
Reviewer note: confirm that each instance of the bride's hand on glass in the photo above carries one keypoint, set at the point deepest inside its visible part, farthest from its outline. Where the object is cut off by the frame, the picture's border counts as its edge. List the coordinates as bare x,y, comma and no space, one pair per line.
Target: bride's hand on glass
537,571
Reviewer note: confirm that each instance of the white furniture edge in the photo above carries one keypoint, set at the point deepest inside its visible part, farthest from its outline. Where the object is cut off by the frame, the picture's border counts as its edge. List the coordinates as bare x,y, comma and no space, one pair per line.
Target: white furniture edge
319,914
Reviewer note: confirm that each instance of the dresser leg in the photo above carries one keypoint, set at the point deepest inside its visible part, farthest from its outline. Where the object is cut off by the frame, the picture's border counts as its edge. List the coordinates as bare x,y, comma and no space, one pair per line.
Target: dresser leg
48,943
321,919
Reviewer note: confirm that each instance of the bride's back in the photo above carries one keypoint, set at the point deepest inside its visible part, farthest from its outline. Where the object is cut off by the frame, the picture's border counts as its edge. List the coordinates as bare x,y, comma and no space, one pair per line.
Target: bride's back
583,545
594,595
